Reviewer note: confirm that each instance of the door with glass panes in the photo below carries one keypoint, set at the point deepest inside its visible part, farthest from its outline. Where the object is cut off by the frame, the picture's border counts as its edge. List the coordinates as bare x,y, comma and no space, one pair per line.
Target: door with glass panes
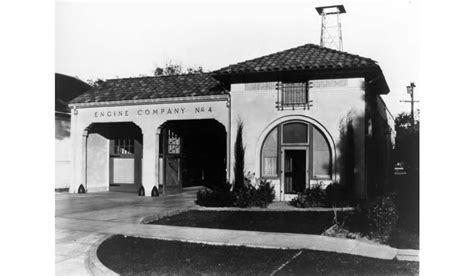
172,162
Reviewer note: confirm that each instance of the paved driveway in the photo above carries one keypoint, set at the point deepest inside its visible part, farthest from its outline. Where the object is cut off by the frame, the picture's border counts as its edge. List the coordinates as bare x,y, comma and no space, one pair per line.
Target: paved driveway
84,219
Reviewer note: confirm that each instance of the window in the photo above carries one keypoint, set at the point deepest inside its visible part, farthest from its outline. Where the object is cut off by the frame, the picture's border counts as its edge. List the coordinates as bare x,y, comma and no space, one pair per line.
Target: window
294,93
270,155
295,133
321,156
174,143
124,147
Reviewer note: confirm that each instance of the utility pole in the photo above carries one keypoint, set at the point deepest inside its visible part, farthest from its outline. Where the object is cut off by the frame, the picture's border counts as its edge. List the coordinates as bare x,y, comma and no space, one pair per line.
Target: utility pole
411,91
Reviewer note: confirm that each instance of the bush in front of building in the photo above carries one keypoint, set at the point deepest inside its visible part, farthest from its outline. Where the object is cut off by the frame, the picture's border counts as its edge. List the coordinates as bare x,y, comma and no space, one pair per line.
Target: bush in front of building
310,197
220,196
250,196
382,215
376,219
247,196
265,192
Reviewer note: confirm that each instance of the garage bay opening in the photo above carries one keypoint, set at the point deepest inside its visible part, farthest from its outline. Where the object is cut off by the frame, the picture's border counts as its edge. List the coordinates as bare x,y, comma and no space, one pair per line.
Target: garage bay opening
193,153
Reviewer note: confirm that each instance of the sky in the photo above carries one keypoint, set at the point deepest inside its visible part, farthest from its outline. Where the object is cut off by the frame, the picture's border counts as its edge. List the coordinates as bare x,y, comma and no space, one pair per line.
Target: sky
128,39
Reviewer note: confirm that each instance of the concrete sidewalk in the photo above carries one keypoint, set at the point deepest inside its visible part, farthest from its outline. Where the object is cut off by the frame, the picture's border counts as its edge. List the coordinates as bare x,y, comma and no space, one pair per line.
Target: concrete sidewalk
84,221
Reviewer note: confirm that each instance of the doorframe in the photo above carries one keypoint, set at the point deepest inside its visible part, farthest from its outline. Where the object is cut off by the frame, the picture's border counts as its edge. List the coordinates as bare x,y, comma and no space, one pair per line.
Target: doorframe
166,156
283,195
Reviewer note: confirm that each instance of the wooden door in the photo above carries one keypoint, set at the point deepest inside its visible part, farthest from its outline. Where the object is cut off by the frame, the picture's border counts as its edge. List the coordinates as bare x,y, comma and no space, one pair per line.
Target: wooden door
295,168
172,163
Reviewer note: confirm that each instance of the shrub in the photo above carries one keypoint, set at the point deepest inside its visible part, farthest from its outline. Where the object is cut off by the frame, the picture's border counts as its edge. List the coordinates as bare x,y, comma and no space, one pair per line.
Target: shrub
265,193
249,196
336,195
312,197
221,196
382,217
245,196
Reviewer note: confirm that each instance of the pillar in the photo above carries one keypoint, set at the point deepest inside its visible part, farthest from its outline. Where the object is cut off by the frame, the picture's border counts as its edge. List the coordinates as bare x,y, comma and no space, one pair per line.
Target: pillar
150,159
85,134
79,134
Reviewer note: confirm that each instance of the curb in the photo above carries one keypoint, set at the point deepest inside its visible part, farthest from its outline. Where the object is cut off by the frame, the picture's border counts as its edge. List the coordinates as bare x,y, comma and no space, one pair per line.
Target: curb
158,216
259,209
359,248
93,265
408,255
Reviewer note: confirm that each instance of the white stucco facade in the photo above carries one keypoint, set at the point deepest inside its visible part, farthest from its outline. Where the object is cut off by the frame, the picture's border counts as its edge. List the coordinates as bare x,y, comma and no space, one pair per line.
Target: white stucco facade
332,102
148,117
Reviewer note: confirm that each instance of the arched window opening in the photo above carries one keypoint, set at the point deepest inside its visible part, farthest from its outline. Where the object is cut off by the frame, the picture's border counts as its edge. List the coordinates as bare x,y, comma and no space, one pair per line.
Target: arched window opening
321,156
295,133
270,154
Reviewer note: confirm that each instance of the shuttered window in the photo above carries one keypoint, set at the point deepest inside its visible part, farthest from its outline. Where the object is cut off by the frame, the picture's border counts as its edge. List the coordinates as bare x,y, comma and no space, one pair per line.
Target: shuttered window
270,154
321,156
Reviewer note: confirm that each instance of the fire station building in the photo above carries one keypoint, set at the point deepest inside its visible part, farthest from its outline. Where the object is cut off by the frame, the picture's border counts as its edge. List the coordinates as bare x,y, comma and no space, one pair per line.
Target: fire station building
311,115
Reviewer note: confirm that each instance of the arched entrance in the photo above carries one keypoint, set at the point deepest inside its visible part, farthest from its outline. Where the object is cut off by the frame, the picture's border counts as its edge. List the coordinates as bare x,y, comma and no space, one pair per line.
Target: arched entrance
193,153
294,152
114,157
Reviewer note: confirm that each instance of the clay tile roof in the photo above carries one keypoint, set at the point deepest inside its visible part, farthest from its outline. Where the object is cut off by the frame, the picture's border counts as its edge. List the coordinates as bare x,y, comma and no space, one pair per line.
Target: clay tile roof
153,88
306,57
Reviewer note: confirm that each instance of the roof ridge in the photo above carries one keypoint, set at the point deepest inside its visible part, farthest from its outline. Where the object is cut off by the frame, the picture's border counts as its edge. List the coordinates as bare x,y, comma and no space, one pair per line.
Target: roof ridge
268,55
283,54
343,52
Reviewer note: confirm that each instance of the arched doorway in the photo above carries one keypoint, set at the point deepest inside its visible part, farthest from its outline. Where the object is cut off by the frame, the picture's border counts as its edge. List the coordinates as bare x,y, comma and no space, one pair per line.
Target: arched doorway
296,152
192,153
114,157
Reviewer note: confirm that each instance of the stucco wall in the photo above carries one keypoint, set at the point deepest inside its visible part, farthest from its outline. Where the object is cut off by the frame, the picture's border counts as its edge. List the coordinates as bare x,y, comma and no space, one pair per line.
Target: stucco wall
332,102
149,117
97,162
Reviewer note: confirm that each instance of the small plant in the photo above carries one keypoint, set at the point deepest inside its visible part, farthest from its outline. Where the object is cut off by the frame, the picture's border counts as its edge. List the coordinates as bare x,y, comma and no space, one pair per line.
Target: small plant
382,217
221,196
265,193
312,197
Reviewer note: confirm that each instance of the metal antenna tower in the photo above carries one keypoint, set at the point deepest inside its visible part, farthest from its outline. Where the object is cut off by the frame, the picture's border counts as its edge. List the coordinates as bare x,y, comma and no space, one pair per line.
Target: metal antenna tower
331,32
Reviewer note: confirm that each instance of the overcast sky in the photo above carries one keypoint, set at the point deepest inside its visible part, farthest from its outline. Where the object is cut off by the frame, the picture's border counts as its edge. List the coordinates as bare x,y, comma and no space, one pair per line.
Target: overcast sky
128,39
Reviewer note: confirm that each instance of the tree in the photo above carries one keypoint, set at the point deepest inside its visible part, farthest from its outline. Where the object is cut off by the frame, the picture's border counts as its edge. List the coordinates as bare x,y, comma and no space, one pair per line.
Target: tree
95,83
239,155
176,68
407,140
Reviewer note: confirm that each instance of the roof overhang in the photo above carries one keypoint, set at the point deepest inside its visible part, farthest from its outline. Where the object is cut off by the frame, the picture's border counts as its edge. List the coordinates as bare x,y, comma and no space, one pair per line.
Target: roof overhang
372,74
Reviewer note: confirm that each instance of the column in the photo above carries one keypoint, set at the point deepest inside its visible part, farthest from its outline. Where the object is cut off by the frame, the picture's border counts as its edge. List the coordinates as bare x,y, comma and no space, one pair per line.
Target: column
78,156
149,160
85,134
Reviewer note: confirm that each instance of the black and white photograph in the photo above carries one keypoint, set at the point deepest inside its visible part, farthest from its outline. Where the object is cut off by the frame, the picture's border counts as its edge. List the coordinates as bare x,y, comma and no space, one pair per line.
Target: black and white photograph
238,138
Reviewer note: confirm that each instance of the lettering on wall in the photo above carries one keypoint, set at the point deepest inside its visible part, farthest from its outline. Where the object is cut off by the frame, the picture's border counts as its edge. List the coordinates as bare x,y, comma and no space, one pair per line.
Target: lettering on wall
162,111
